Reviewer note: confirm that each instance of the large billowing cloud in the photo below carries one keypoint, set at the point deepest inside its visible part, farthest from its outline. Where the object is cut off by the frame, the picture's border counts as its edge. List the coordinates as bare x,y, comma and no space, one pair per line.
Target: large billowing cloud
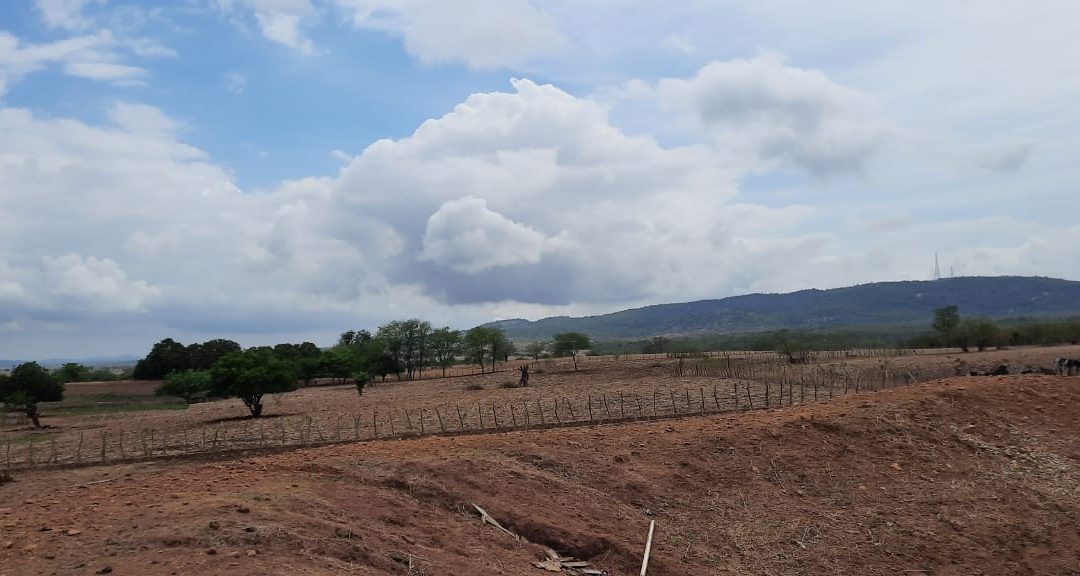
778,112
524,201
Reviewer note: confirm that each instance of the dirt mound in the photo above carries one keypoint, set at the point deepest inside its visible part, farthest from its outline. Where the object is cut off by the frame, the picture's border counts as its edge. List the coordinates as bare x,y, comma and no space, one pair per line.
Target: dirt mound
963,476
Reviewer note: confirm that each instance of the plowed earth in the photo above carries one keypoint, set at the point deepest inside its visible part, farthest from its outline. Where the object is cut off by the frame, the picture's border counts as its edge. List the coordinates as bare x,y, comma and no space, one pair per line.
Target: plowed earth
976,475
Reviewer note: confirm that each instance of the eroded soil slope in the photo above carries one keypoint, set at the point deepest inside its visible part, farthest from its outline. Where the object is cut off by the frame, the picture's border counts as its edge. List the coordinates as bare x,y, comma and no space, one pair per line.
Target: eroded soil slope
963,476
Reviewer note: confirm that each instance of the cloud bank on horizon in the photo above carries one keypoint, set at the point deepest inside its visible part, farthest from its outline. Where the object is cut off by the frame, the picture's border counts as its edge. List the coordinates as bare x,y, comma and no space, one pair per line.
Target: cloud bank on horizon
274,170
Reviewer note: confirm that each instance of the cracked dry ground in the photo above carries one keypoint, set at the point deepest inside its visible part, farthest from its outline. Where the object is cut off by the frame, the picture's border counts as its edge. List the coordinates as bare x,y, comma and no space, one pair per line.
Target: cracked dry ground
961,476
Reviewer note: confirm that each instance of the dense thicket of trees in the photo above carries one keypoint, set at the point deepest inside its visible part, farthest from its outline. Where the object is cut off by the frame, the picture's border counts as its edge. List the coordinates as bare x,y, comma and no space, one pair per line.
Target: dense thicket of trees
402,349
170,356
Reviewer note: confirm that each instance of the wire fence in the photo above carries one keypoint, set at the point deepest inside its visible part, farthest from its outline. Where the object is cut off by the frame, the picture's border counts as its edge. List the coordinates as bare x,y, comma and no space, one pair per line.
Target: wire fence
737,383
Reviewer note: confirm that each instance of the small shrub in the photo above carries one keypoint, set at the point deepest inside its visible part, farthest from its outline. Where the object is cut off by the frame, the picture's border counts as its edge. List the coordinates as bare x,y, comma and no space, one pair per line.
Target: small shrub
5,477
475,387
512,384
538,370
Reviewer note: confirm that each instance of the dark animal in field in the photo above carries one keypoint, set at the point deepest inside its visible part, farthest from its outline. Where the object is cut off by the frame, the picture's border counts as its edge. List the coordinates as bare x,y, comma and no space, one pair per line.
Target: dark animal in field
1067,366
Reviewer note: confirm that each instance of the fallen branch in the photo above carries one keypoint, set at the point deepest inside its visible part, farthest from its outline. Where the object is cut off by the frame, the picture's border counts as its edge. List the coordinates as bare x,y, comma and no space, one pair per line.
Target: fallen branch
487,519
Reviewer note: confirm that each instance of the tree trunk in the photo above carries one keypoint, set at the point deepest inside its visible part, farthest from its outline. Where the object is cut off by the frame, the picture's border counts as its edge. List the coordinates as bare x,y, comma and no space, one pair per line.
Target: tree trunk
32,413
255,405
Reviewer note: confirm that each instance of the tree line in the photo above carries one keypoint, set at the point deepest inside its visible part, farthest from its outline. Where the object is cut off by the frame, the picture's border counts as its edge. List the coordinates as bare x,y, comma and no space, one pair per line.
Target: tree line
221,368
403,349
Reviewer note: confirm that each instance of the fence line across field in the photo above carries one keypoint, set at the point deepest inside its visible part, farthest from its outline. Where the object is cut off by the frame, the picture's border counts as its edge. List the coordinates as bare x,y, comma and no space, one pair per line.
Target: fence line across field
783,387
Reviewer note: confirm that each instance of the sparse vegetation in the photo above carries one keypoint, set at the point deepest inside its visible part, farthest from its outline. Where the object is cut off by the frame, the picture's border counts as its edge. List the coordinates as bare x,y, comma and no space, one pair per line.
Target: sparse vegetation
570,344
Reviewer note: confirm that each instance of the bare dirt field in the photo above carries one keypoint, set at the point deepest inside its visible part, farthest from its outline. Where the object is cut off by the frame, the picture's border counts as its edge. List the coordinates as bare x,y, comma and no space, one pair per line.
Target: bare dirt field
970,475
131,423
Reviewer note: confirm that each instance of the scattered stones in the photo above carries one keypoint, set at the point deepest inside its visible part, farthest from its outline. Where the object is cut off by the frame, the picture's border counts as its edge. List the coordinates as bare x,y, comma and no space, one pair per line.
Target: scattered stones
104,570
73,532
251,553
211,551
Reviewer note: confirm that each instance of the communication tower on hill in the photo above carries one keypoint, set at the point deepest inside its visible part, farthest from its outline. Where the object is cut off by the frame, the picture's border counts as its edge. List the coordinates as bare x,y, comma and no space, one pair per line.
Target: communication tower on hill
937,267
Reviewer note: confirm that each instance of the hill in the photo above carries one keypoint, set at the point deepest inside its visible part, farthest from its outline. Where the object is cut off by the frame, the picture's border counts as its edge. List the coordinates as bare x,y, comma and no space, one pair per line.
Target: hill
878,304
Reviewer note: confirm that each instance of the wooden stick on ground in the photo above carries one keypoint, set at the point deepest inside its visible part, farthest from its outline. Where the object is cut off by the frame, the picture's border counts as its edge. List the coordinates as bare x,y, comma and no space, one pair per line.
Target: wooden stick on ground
648,548
489,520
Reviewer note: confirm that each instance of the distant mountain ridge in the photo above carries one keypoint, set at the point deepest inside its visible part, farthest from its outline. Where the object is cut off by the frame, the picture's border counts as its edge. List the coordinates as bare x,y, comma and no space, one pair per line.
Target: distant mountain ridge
94,361
867,304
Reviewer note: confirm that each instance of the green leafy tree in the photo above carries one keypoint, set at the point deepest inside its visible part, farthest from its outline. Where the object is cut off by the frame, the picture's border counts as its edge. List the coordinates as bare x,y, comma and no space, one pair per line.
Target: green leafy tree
946,321
354,338
361,380
982,333
250,375
791,346
570,344
72,372
658,345
27,385
165,357
406,341
445,347
476,343
187,384
203,356
484,343
535,349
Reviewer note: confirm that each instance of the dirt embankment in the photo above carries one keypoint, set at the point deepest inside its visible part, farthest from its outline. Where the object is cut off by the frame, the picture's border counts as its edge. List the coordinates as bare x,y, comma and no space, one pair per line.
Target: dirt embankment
963,476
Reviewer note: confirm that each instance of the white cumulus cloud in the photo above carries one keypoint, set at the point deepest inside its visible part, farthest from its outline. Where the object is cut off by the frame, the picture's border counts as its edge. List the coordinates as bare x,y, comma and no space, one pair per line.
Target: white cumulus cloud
479,33
466,236
778,112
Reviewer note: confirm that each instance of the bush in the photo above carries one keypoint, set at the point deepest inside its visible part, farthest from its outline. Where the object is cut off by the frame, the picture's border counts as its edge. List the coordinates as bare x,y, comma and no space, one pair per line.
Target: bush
27,385
361,379
512,384
187,385
475,387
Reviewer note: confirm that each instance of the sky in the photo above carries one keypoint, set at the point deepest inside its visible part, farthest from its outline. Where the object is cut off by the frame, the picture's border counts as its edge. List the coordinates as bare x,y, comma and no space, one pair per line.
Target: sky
285,170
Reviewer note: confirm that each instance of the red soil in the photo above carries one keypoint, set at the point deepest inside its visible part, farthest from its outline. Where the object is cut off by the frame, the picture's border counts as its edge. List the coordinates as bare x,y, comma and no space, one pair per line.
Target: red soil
962,476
